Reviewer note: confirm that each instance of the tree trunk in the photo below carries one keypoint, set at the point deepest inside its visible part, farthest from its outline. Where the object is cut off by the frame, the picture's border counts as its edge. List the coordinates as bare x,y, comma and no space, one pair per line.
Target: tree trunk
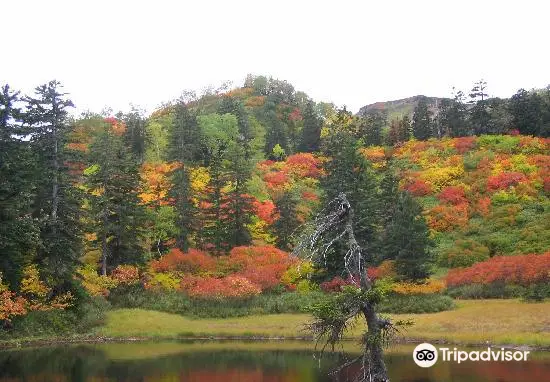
376,371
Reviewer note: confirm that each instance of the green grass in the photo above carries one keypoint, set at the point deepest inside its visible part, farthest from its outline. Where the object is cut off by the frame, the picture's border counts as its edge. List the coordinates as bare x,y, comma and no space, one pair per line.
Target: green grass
473,322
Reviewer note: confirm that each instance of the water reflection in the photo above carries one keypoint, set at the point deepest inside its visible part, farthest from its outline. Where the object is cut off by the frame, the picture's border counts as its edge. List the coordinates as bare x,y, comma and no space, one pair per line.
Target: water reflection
236,361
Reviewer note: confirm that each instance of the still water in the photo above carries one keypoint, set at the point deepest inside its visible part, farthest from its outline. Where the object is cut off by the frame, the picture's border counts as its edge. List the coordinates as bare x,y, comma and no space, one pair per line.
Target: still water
232,361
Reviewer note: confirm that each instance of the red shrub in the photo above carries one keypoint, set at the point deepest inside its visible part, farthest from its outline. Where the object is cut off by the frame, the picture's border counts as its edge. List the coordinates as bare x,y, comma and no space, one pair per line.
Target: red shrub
126,274
464,144
419,188
276,179
505,180
265,210
303,164
227,287
334,285
193,261
521,270
262,265
453,195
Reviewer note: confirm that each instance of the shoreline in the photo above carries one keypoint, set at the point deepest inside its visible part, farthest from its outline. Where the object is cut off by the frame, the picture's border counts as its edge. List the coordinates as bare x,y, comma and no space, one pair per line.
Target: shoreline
23,343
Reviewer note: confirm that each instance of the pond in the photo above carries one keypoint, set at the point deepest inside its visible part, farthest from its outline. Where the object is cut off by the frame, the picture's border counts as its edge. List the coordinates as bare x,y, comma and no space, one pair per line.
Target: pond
243,361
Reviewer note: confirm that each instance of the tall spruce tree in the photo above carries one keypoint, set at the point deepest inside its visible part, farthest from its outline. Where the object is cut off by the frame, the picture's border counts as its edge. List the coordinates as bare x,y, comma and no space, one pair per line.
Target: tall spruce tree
57,201
112,179
349,172
287,219
311,132
406,240
422,120
19,232
185,148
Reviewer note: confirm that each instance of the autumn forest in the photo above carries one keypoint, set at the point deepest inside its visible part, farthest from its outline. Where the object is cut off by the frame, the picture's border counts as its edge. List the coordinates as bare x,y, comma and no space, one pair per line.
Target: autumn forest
196,209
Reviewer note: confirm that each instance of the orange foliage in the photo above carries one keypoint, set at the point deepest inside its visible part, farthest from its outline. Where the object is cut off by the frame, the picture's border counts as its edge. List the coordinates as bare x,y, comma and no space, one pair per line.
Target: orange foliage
464,144
444,218
303,165
505,180
156,178
227,287
521,270
125,275
265,210
419,188
276,179
11,305
193,261
429,287
263,265
117,127
453,195
255,101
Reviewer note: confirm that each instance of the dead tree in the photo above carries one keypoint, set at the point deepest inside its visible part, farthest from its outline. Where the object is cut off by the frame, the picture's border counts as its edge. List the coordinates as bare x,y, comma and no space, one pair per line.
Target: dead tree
335,224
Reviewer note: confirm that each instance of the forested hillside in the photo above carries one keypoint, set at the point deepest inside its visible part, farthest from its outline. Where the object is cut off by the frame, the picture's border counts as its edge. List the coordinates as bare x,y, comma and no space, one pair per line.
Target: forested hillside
207,196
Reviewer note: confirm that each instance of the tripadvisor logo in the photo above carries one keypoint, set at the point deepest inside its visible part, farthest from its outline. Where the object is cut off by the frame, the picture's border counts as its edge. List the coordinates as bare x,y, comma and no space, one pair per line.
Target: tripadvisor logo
426,355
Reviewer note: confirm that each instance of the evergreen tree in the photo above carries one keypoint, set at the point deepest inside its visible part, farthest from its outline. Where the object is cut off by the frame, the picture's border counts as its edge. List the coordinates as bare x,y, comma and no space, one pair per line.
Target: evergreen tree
527,114
135,134
185,148
113,181
57,202
19,233
276,129
422,123
311,132
399,131
453,116
351,173
479,114
287,221
406,240
370,127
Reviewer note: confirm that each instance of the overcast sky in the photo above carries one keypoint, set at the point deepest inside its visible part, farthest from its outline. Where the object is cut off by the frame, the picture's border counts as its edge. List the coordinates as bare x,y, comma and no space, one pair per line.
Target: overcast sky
113,53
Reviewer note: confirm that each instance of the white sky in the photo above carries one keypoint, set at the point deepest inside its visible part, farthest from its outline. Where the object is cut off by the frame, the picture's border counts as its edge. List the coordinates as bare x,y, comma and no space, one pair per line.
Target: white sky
113,53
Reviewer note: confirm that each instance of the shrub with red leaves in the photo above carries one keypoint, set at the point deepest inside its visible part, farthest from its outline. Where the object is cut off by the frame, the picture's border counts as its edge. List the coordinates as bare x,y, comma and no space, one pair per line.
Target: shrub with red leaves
276,179
505,180
193,261
419,188
453,195
227,287
304,165
334,285
262,265
464,144
520,270
265,210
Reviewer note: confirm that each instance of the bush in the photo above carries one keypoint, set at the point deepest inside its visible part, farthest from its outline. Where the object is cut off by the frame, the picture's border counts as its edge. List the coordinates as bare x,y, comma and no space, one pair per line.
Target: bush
536,292
521,270
482,291
430,303
179,303
463,253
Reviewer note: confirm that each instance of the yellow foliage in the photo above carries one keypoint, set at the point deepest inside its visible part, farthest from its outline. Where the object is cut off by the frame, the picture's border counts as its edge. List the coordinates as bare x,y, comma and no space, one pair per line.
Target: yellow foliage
95,284
31,283
429,287
199,178
259,231
300,271
442,177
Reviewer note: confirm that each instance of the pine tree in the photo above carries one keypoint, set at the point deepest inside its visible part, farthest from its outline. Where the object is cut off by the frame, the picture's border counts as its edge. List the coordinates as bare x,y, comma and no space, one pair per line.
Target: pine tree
19,232
277,133
287,221
453,116
311,132
351,173
370,127
57,201
135,134
185,148
422,123
407,241
113,182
